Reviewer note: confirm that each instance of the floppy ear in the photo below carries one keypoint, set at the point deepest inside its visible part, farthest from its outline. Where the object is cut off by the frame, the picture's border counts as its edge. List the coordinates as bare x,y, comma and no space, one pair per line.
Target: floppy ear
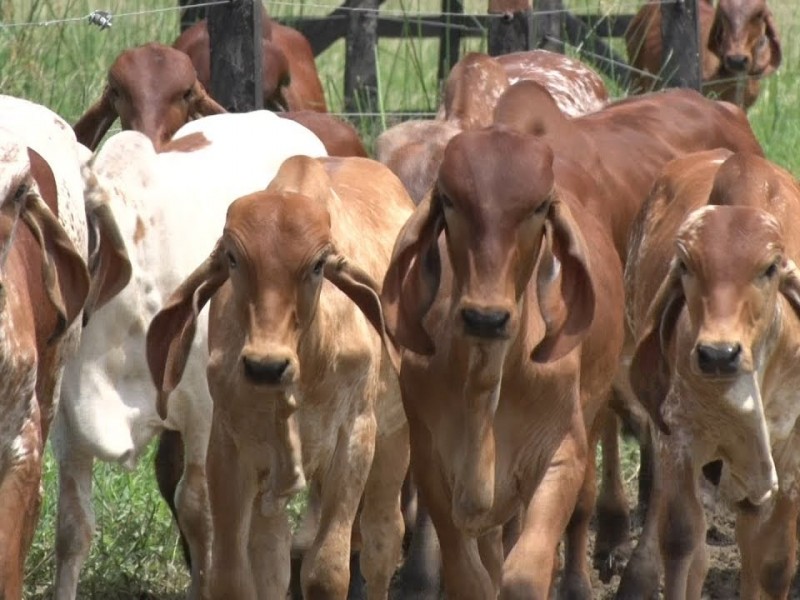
66,279
774,43
203,105
790,285
96,121
563,286
109,265
412,279
650,372
171,332
364,291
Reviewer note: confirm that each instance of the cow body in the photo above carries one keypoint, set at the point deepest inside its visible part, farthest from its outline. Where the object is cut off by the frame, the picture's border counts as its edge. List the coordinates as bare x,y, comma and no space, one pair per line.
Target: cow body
302,388
497,400
413,150
168,205
713,301
45,283
739,46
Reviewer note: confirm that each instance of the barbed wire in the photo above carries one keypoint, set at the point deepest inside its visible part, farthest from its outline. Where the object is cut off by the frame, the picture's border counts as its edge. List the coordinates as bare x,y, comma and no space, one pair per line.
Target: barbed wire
398,14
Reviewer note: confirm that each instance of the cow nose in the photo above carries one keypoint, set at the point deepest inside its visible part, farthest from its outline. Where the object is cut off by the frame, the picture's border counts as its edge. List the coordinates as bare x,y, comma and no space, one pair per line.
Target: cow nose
719,359
737,63
485,323
265,370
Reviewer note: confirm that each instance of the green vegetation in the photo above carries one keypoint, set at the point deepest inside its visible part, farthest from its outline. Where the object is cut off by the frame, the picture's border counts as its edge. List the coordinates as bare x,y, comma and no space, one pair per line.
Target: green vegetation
135,552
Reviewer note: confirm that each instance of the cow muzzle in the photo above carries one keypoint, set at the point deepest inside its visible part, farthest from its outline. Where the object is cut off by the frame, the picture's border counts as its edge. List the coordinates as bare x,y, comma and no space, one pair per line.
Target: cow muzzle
485,322
274,369
722,359
737,63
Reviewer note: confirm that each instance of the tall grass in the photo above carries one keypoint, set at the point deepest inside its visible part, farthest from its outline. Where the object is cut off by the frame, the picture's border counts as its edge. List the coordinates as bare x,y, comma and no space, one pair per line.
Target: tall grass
135,553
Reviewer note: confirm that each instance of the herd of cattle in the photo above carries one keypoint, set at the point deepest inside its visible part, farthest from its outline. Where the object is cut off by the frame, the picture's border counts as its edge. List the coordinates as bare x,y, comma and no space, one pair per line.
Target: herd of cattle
461,319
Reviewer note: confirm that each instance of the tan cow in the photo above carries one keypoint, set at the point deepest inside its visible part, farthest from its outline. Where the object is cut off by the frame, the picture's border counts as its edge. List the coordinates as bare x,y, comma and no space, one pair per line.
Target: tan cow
302,388
738,40
714,299
509,354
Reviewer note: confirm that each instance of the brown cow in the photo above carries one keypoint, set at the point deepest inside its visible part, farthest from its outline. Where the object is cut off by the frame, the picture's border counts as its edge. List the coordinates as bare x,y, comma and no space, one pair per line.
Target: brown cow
714,299
302,388
739,44
290,79
44,284
508,353
653,128
153,89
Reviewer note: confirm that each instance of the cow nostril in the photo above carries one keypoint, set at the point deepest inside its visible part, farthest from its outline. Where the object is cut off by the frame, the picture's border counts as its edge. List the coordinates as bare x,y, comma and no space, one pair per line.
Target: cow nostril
719,359
485,323
265,371
737,62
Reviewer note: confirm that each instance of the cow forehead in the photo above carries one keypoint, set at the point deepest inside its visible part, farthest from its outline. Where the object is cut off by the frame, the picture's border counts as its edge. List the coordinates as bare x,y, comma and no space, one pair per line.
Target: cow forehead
497,166
732,236
288,223
741,8
138,65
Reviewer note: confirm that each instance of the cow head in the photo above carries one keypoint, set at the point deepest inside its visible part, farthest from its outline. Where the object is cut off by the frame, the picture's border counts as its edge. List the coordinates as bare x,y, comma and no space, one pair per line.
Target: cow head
275,252
151,88
504,227
27,192
744,37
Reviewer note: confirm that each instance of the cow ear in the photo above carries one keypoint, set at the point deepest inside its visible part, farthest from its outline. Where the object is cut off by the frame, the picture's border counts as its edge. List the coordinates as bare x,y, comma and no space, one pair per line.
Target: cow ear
776,54
171,332
362,289
412,279
109,266
202,104
96,121
66,279
563,286
650,370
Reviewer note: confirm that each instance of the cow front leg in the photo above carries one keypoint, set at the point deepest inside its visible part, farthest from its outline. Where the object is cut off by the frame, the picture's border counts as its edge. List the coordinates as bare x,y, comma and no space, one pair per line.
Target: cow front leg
681,523
75,520
325,572
382,522
270,549
528,570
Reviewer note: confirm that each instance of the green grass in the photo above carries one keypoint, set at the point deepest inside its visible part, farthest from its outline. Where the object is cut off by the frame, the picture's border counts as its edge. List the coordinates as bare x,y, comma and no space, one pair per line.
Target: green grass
135,553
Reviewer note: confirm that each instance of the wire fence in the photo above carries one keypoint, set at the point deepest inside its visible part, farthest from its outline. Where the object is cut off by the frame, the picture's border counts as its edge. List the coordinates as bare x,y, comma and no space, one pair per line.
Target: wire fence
401,14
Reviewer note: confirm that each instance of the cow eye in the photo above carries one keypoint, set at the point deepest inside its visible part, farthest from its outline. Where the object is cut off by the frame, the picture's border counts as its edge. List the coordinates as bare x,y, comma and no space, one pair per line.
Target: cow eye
21,191
318,266
542,208
231,260
682,268
446,201
188,95
771,271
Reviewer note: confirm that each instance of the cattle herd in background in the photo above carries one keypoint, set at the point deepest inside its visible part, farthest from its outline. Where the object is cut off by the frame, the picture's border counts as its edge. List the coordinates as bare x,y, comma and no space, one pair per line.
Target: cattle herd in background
462,319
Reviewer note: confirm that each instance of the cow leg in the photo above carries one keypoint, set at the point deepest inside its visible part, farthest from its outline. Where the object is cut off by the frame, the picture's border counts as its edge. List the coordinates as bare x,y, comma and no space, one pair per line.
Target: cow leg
420,576
463,574
528,570
20,501
490,548
575,582
381,516
75,520
325,572
613,516
269,550
768,544
232,492
682,523
640,579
